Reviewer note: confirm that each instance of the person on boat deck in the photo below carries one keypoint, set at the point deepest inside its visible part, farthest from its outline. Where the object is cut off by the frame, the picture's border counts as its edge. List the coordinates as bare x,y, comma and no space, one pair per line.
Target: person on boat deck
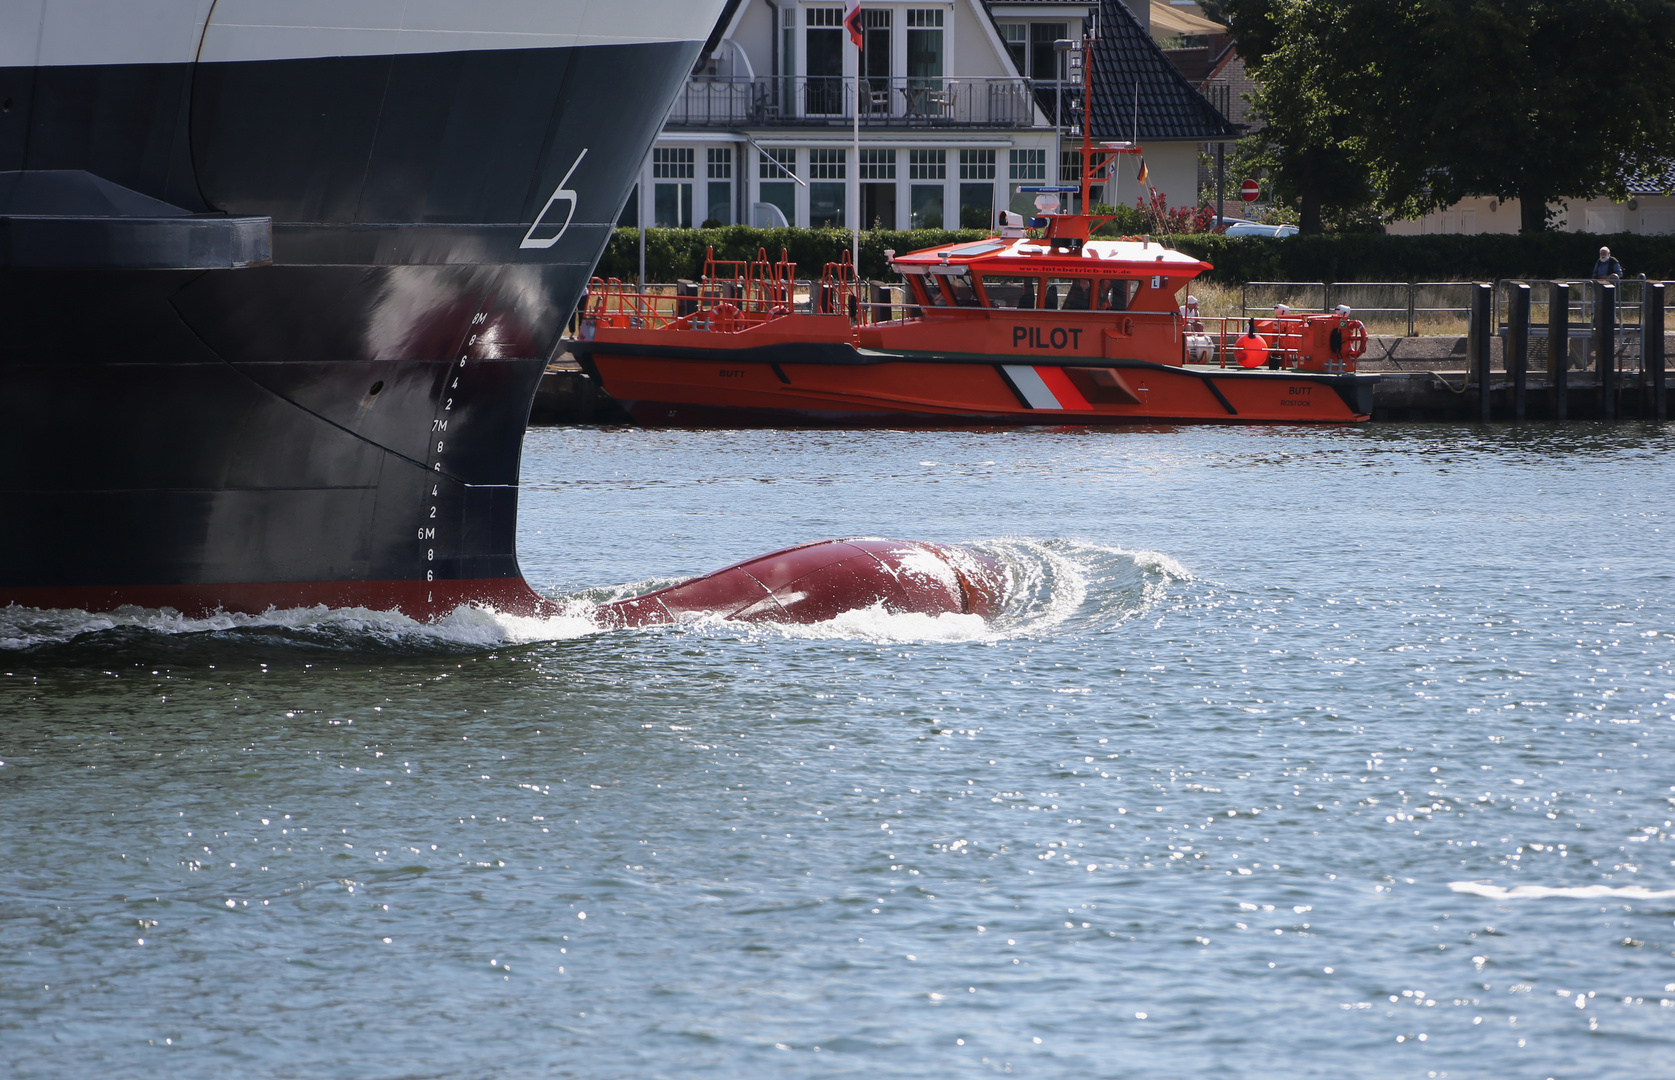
1077,298
1277,324
1113,295
1190,318
1607,268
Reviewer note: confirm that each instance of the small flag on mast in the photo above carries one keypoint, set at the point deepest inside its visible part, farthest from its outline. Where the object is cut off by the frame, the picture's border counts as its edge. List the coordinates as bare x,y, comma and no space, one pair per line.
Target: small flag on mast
852,22
1143,174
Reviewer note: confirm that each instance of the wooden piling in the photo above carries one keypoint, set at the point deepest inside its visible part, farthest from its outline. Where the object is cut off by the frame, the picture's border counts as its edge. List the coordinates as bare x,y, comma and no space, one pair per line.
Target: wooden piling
1518,344
1651,348
1478,344
1605,347
1558,347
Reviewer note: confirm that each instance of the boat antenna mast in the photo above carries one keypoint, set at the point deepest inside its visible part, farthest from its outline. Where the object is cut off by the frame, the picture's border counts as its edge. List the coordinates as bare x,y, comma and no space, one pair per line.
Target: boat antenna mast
1079,226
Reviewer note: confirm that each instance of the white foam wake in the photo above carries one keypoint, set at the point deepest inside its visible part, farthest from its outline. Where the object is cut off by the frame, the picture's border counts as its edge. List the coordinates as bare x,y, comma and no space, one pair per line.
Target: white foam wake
1572,892
1050,583
466,627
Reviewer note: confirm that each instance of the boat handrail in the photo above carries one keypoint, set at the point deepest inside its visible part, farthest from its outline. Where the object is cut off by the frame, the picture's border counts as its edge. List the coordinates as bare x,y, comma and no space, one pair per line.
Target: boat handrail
1296,341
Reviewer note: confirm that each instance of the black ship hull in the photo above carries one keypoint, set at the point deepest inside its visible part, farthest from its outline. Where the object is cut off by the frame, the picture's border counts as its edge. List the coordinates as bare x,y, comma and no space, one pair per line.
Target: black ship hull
279,347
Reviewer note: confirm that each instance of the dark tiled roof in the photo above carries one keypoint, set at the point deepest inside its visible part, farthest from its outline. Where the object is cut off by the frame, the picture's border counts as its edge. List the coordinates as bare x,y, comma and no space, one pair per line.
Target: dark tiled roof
1657,179
1169,107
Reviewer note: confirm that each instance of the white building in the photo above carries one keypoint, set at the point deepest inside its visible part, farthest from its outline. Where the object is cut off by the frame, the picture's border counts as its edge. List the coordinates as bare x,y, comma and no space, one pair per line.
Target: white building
1648,211
960,105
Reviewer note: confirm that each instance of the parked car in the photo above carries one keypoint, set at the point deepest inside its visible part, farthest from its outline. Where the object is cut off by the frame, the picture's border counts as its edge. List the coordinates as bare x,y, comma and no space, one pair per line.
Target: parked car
1241,227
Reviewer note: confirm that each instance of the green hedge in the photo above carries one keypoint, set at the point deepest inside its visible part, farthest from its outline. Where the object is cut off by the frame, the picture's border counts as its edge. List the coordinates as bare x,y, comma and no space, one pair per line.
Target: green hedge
679,253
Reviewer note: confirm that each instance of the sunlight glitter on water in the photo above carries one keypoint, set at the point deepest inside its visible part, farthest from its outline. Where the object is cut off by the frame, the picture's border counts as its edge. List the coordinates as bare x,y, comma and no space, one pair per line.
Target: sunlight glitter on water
1242,753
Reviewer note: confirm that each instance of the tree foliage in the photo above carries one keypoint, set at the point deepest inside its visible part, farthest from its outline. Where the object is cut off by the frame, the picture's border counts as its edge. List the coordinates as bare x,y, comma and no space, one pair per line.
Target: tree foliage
1415,104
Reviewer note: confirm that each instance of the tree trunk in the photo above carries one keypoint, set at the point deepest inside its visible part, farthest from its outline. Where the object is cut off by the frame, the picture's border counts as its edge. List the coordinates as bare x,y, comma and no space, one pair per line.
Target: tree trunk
1309,223
1532,209
1308,194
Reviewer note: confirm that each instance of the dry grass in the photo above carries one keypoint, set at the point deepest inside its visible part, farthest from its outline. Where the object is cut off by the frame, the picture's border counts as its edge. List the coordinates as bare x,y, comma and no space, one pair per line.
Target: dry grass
1224,301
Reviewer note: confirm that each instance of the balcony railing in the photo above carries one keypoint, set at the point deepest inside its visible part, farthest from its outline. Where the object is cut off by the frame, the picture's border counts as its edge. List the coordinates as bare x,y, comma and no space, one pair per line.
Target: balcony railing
805,101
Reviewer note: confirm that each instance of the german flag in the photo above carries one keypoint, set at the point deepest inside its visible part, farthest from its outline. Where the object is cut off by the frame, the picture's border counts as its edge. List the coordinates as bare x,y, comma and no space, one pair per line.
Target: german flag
1143,175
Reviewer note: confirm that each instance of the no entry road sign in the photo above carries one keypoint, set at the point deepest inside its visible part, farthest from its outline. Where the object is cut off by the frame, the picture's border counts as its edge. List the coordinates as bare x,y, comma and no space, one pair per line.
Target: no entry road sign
1250,191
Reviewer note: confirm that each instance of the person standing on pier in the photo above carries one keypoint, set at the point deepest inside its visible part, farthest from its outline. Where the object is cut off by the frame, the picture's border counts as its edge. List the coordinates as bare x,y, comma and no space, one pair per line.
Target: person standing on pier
1607,268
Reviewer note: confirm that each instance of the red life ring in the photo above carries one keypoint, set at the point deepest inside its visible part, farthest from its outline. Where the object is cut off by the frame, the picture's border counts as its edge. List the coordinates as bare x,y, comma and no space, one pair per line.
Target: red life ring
1251,351
724,319
1355,341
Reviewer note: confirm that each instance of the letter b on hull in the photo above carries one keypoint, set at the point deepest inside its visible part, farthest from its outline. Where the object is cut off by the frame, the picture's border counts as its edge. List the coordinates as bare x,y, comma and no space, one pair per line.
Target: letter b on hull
560,194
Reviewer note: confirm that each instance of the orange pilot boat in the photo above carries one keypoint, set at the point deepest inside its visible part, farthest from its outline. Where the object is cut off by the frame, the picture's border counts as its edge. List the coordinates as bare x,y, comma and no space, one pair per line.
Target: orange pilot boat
1050,327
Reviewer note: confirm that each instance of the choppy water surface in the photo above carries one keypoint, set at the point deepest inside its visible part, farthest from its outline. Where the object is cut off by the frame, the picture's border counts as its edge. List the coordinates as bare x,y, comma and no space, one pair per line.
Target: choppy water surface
1298,753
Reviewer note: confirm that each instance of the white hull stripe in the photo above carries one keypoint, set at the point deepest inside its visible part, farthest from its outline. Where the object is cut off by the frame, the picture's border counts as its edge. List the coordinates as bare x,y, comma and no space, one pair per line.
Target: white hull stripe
1030,385
58,33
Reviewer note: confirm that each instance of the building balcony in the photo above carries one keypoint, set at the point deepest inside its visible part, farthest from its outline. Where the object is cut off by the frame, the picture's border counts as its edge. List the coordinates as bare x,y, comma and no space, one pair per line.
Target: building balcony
908,102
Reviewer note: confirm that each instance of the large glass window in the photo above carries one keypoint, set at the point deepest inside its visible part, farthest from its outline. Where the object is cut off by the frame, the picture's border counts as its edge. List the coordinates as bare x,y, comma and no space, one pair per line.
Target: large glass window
977,201
827,164
1043,59
825,205
924,49
925,211
977,164
720,200
878,165
875,43
1016,37
823,57
826,200
774,169
787,61
925,200
927,164
878,206
673,162
672,201
1029,166
878,200
672,206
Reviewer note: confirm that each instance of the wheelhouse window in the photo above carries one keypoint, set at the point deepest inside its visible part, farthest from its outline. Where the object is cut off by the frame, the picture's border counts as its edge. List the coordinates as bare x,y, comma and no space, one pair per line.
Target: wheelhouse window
1067,294
1009,292
961,292
1115,294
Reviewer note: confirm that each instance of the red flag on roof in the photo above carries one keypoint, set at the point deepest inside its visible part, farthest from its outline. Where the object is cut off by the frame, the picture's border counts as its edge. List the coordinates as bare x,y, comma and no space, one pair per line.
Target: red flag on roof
852,21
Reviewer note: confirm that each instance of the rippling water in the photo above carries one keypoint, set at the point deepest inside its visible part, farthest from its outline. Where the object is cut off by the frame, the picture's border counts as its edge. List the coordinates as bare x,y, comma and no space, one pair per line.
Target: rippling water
1303,753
